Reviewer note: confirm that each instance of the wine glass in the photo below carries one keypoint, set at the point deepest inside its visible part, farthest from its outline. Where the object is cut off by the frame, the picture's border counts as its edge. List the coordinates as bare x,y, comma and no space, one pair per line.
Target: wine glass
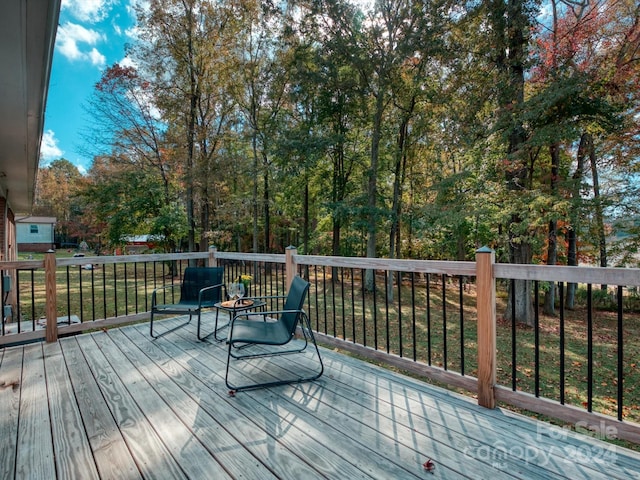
240,292
232,291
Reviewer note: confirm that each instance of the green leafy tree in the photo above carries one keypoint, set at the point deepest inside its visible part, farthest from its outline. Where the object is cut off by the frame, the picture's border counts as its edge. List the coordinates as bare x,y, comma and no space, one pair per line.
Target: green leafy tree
184,52
259,82
130,201
56,195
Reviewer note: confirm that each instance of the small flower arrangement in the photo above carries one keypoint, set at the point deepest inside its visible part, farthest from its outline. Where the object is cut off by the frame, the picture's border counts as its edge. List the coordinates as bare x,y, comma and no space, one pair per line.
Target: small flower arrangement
245,280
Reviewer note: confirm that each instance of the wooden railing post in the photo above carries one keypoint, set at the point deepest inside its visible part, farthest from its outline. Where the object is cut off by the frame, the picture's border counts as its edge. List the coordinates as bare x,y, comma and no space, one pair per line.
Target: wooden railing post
290,266
51,308
486,305
213,261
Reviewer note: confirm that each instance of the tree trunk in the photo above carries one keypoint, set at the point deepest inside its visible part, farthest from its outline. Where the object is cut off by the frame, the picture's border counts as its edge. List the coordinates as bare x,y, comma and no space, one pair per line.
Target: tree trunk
267,211
204,221
338,191
398,183
372,189
552,235
254,196
599,211
191,133
572,232
517,174
305,223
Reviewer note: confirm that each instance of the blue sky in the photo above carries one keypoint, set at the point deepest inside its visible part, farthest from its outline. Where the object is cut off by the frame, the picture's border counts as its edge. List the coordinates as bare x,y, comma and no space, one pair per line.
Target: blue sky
91,36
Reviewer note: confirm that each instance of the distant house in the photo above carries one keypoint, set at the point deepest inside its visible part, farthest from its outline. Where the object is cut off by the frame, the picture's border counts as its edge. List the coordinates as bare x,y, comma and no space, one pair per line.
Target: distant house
140,243
35,234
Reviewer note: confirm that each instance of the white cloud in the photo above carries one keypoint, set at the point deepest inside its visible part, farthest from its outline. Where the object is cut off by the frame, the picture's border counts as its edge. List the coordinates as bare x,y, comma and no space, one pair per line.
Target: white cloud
88,10
133,32
97,58
127,62
49,149
69,38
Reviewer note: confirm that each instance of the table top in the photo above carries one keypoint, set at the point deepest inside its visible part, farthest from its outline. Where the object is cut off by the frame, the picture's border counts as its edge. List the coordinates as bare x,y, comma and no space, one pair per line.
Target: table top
236,305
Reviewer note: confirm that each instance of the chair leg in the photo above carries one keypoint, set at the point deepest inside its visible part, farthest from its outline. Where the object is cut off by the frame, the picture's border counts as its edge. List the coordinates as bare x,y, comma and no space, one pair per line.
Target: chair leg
216,329
198,329
251,386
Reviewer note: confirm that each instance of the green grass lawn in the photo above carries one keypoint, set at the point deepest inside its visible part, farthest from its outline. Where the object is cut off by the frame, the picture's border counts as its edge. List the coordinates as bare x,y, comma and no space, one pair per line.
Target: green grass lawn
90,294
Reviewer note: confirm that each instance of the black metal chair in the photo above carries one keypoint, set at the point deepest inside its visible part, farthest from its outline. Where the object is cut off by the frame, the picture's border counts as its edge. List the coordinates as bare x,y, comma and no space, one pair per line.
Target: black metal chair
273,329
200,288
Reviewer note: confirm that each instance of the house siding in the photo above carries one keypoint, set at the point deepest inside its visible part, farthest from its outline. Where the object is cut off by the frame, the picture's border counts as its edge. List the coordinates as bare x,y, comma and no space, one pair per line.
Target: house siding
35,234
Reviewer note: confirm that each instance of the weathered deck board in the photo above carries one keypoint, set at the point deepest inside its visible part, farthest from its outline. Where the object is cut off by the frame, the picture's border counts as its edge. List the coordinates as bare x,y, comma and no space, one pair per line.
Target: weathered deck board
117,404
137,428
215,405
290,419
110,451
378,455
10,380
403,407
275,439
344,403
35,457
212,453
73,452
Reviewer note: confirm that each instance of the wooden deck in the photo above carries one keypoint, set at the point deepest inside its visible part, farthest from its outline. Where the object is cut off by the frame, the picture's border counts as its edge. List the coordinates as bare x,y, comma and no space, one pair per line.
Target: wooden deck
116,404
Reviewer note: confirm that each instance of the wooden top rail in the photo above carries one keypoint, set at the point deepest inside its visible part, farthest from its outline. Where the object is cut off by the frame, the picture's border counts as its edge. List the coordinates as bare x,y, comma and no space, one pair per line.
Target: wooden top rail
417,266
103,260
252,257
150,257
22,265
558,273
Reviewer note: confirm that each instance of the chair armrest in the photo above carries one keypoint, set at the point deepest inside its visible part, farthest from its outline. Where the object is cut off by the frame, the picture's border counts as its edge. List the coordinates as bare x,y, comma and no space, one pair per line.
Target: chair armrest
156,290
211,287
265,297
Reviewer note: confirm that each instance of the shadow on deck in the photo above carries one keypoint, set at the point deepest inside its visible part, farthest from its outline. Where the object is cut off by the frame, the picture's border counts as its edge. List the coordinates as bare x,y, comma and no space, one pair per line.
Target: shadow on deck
117,404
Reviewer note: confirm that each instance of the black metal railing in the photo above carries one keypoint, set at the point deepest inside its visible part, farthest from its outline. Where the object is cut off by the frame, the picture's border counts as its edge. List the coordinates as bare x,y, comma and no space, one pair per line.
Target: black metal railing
96,288
420,316
419,311
576,356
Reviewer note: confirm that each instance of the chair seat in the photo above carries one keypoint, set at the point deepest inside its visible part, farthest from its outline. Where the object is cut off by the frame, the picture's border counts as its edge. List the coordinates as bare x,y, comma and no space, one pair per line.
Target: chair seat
177,307
278,328
262,332
184,306
200,289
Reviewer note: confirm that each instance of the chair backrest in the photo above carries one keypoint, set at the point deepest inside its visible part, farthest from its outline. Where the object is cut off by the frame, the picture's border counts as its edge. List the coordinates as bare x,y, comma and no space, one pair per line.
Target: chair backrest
295,301
196,278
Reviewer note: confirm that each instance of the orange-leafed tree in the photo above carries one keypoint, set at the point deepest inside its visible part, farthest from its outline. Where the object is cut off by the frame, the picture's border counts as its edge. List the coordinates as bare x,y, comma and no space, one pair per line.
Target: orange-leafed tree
584,81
